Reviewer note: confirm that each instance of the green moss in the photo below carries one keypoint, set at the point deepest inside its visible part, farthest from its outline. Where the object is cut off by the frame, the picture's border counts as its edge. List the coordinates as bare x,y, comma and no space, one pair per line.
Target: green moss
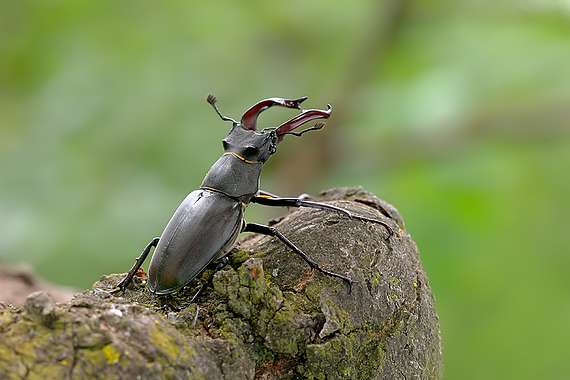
337,318
46,371
88,337
238,258
241,306
265,356
165,343
90,362
43,336
376,279
26,352
259,255
343,357
282,336
111,354
246,290
395,280
226,283
10,364
6,319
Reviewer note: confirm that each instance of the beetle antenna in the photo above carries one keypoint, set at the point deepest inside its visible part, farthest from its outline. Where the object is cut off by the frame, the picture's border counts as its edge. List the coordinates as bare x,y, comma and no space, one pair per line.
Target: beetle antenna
316,127
212,100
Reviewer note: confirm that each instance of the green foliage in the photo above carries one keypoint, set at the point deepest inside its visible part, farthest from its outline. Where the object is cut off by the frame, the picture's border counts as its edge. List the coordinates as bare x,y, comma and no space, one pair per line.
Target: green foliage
455,112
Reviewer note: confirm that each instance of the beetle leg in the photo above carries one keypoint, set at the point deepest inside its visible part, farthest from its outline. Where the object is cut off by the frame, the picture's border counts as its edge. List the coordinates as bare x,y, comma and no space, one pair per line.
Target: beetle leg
271,231
223,262
298,202
306,196
121,286
266,194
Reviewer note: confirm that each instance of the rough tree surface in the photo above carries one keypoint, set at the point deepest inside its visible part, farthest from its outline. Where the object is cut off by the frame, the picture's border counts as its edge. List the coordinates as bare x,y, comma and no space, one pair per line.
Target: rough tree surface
267,316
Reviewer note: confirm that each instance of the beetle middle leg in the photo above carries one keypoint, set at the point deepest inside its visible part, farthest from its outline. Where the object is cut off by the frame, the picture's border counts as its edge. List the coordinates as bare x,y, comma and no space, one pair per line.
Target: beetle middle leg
121,286
221,265
271,231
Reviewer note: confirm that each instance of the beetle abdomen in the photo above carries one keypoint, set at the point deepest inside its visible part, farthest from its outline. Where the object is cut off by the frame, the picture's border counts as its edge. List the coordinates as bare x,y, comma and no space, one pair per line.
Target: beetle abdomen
204,226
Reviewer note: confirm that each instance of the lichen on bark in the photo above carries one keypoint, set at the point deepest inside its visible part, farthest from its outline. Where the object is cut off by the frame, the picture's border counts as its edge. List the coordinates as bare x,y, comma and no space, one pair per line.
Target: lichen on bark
267,315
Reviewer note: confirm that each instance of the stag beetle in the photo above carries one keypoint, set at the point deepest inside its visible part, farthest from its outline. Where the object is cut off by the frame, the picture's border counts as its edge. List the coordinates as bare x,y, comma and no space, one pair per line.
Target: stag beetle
207,223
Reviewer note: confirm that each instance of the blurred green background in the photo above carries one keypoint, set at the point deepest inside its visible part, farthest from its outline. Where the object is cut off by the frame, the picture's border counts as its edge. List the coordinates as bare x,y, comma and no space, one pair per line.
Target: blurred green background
456,112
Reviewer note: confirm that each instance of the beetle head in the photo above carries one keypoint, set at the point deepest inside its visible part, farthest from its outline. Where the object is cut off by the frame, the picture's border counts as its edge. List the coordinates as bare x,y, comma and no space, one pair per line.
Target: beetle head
250,145
244,140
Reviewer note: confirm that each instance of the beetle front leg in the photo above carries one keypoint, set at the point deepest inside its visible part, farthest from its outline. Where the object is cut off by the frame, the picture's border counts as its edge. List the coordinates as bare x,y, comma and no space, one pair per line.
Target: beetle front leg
271,231
267,194
271,200
121,286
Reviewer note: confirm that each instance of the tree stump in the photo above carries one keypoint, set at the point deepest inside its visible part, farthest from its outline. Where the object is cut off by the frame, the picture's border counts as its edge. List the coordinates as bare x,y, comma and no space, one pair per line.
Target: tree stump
267,315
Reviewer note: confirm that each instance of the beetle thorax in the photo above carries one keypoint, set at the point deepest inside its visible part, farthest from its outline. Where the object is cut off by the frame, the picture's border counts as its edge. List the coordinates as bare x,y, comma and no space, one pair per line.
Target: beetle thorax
237,172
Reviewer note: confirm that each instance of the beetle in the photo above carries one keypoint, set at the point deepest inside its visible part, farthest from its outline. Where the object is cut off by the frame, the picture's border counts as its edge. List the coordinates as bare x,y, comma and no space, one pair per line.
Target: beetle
207,223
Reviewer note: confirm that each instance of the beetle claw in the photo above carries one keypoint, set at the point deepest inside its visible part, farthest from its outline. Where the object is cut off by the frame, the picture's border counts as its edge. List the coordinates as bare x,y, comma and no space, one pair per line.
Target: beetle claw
120,287
116,290
350,282
167,306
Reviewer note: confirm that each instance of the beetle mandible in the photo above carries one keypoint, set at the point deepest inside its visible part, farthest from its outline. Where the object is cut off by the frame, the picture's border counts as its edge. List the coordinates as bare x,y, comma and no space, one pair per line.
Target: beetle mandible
207,223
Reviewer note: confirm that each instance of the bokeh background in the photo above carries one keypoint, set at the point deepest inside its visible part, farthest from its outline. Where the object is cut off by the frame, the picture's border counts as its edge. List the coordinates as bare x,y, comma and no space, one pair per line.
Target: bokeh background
456,112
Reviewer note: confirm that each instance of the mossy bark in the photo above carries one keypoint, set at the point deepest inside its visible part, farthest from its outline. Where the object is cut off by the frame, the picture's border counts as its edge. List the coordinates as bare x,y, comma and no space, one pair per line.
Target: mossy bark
267,315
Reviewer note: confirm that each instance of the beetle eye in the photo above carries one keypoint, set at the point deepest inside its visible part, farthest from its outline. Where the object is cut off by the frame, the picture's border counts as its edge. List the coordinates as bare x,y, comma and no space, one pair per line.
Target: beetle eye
251,151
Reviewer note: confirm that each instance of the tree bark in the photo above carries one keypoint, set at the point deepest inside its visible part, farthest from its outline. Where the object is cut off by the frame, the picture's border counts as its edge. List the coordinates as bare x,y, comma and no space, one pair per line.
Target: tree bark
267,315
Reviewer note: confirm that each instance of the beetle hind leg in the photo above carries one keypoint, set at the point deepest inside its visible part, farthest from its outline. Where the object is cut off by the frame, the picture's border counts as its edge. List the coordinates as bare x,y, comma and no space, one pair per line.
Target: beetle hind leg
121,286
223,262
221,265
